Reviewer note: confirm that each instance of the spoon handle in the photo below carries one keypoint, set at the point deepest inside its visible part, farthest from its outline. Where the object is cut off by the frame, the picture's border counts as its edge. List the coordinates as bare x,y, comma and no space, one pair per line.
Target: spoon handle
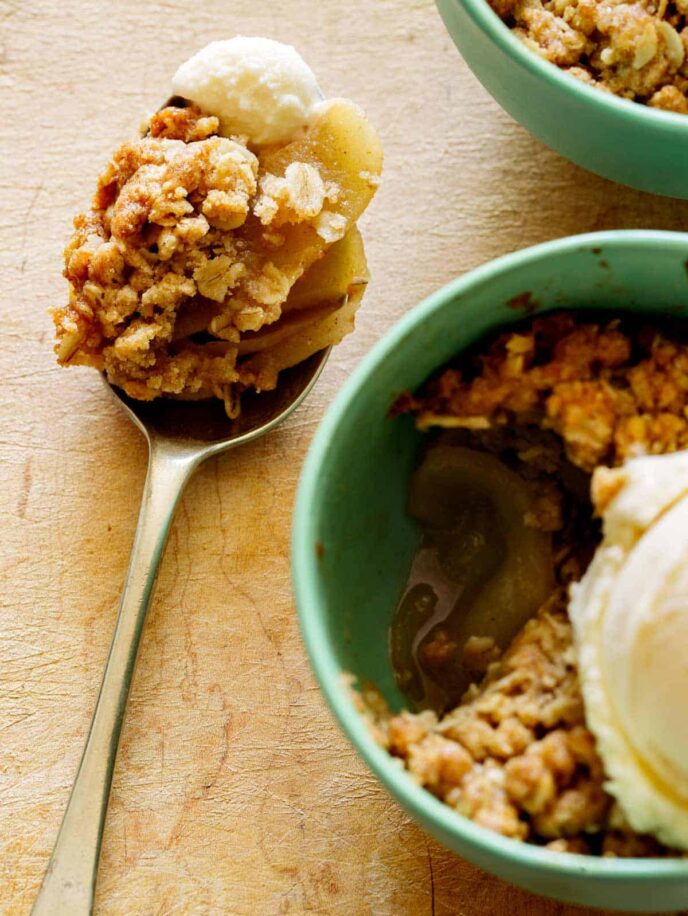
68,888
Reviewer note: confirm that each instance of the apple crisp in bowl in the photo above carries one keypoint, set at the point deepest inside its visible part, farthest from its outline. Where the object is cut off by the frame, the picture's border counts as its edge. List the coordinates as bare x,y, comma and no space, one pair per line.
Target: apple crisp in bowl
634,50
500,730
602,83
209,263
496,567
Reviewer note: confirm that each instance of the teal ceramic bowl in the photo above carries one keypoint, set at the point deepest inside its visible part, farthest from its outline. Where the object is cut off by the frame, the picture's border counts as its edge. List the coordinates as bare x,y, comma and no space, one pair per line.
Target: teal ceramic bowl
352,542
625,141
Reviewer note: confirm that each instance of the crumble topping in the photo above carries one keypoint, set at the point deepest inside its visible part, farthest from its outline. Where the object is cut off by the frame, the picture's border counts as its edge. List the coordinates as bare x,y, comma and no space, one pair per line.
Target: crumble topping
195,241
633,50
300,194
608,397
516,756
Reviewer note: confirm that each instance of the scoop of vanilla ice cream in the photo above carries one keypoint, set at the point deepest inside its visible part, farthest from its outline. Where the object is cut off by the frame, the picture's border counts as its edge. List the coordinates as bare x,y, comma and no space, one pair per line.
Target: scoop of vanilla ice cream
630,619
256,86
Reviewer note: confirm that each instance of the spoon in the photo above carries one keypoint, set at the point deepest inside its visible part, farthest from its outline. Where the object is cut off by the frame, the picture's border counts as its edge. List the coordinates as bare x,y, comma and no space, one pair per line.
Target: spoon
180,435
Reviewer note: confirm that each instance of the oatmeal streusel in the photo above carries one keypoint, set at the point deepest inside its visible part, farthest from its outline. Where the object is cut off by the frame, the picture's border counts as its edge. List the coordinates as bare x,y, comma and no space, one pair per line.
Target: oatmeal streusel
609,397
634,50
516,755
194,244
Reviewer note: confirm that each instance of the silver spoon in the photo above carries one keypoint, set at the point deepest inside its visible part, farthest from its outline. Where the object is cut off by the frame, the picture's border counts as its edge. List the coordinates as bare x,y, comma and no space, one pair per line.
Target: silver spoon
180,435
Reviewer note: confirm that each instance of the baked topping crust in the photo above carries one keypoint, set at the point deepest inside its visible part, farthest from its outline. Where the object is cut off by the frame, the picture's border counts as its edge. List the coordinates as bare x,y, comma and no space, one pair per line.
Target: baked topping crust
633,50
194,242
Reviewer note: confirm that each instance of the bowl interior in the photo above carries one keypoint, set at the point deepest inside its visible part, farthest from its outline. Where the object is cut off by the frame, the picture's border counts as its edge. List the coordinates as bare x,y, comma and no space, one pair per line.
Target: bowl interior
352,540
362,539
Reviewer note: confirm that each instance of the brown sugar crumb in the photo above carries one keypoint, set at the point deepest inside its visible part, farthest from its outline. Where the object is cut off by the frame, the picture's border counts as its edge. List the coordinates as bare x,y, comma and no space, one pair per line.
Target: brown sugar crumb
155,240
484,757
610,395
185,124
558,782
515,755
178,266
533,685
634,50
576,845
482,797
669,98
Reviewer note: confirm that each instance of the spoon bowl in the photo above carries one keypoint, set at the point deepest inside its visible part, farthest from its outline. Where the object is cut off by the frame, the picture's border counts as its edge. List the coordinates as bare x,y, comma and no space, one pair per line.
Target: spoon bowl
204,425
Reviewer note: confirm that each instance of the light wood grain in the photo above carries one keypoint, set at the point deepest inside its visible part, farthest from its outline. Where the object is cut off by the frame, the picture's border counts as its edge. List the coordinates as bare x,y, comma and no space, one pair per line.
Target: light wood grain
234,791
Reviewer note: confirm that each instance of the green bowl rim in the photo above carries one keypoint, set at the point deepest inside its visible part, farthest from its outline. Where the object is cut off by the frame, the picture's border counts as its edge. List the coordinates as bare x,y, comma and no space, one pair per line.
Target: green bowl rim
313,629
486,18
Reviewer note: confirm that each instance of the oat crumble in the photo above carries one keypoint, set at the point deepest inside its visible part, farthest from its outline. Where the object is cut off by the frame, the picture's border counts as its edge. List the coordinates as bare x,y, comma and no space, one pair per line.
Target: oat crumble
607,396
187,275
633,50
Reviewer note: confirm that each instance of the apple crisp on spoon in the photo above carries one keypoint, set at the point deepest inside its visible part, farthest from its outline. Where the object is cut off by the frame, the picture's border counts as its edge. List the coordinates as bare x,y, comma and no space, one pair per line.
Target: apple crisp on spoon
209,263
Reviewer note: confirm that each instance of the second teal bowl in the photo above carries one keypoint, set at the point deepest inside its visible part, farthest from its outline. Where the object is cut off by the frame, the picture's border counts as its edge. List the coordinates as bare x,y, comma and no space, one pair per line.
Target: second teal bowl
625,141
352,540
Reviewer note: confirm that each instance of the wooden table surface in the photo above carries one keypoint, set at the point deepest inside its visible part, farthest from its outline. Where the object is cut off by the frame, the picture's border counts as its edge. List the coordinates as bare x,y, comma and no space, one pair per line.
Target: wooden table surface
234,791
